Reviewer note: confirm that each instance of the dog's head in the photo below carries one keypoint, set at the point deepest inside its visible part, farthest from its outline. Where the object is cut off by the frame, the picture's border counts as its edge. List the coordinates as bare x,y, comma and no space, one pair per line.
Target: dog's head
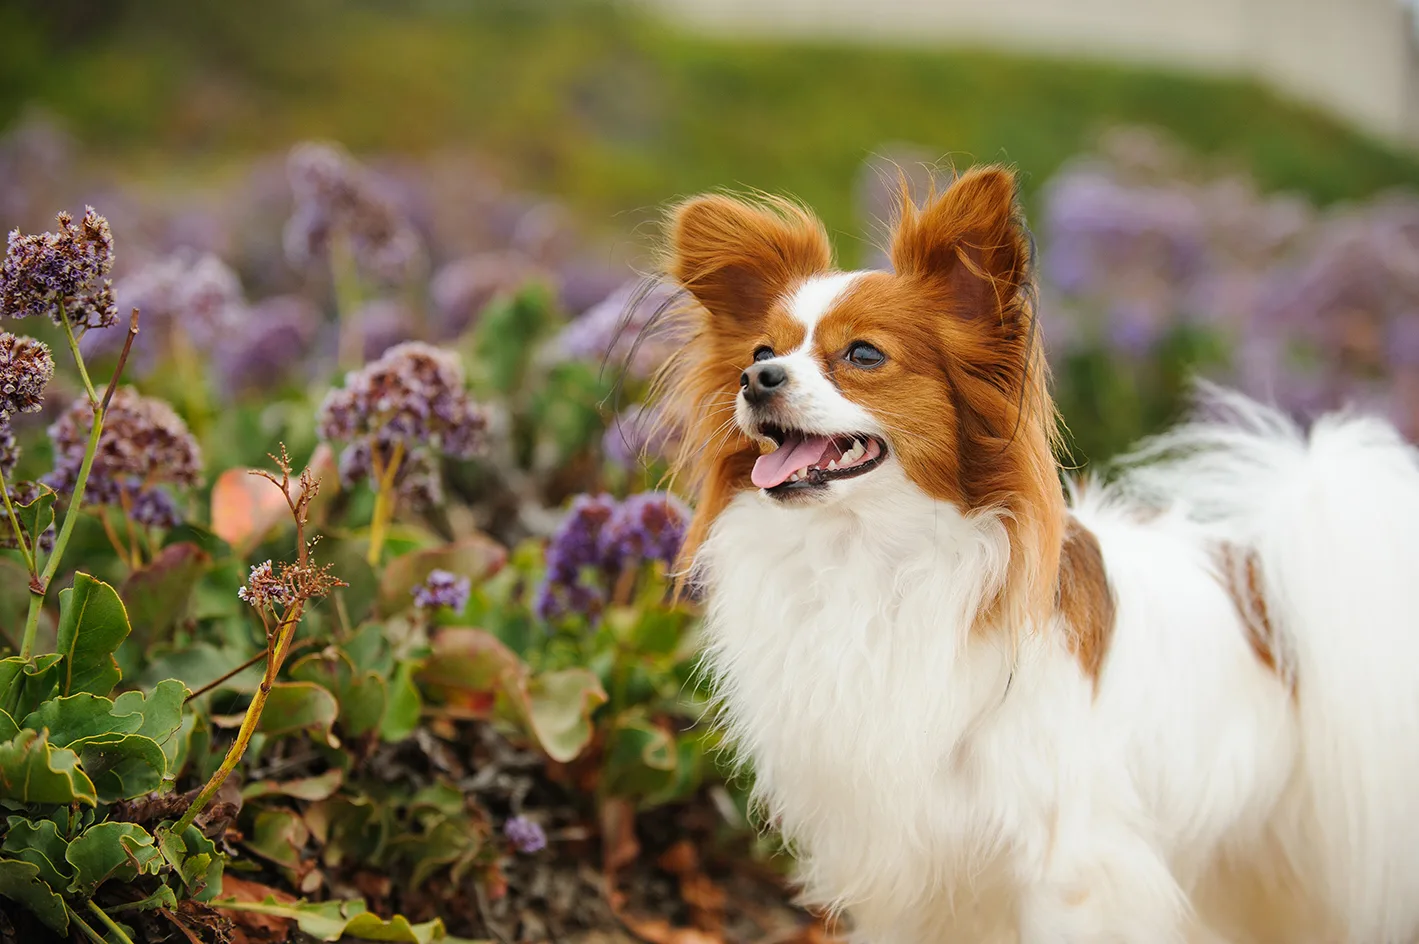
806,383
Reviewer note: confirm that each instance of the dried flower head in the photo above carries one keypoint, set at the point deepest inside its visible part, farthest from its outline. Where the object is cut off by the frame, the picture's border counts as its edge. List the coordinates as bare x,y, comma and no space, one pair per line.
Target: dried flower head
265,589
144,445
26,368
442,588
334,195
525,835
46,273
275,587
408,407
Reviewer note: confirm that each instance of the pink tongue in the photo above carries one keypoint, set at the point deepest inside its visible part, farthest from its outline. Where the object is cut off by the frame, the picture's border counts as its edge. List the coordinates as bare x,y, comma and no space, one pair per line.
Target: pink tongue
775,468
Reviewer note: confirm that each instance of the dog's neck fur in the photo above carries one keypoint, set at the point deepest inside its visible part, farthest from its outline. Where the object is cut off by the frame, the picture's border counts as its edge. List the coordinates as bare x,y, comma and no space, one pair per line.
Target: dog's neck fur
844,645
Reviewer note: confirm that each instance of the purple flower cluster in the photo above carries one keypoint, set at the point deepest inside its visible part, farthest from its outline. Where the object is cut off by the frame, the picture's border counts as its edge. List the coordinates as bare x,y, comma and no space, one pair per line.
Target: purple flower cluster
1321,310
525,835
411,403
197,294
629,329
144,446
265,589
26,368
275,339
337,198
599,540
463,288
442,588
64,271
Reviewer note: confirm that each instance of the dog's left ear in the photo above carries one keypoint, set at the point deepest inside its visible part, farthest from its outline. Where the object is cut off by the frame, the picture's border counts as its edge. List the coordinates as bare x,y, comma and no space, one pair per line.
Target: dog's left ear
971,237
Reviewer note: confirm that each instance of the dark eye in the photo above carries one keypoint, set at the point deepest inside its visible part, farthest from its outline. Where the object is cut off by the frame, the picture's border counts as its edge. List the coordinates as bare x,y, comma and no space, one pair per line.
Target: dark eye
763,352
862,354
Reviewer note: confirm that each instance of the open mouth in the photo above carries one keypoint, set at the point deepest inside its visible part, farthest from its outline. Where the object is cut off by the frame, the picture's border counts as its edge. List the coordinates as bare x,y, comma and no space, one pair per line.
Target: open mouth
806,461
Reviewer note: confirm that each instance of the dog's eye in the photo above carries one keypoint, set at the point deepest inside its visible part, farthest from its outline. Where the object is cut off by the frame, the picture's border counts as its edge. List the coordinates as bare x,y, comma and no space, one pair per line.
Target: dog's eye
763,352
862,354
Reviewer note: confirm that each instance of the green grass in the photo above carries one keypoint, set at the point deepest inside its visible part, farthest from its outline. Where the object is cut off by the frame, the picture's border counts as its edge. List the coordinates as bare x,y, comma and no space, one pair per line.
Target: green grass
613,113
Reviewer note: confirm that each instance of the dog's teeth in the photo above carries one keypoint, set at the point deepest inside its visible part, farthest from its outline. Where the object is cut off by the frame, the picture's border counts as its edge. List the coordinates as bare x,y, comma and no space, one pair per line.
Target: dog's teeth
832,464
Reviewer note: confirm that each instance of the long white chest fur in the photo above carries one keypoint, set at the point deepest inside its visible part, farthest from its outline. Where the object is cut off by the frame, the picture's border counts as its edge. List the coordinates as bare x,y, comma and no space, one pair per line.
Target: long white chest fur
943,783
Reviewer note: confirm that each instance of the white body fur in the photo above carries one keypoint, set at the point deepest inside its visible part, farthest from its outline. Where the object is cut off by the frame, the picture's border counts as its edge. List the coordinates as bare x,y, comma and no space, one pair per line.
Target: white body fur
942,784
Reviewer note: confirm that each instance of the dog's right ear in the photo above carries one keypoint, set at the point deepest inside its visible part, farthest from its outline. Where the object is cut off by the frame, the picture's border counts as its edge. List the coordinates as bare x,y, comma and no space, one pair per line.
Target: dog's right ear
736,257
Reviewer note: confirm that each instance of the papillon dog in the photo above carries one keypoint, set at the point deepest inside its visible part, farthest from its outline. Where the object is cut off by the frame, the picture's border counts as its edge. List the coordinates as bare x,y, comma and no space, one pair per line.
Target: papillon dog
985,704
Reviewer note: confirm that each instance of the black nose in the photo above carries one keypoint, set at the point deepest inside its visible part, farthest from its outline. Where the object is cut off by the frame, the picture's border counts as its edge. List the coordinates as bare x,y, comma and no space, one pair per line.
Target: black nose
762,381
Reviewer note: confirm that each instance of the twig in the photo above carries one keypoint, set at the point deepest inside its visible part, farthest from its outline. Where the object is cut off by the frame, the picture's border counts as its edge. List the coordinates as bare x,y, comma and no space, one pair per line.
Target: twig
122,359
19,531
234,672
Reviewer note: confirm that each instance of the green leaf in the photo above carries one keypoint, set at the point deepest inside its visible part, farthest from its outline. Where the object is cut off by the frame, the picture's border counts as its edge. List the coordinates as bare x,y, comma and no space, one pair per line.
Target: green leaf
161,710
640,758
8,727
21,882
401,709
39,843
559,710
194,858
290,707
120,851
477,557
321,787
71,718
26,684
92,623
331,920
34,771
123,766
279,835
37,515
157,596
361,694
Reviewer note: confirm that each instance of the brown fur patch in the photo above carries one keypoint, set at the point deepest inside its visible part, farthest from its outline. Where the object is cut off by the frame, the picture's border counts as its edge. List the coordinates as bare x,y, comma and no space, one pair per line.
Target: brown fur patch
1240,574
1085,599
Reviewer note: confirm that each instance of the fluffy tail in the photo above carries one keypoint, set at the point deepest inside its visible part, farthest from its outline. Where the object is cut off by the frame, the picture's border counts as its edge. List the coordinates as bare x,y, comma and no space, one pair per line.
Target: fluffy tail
1333,519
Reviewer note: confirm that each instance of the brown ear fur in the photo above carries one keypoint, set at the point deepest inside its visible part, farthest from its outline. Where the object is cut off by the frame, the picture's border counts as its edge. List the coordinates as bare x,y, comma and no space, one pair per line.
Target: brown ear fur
968,249
735,258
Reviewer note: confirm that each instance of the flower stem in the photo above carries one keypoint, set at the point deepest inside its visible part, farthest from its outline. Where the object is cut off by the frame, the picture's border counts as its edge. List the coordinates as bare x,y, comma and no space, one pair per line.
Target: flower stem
345,282
38,588
78,358
110,924
276,655
19,531
384,500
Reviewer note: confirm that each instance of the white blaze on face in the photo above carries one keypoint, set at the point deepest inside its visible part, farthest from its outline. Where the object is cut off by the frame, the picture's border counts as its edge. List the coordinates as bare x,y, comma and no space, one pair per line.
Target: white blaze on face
836,428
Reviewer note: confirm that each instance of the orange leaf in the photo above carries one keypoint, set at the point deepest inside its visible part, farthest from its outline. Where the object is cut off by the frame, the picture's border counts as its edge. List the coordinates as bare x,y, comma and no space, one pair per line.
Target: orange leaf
245,508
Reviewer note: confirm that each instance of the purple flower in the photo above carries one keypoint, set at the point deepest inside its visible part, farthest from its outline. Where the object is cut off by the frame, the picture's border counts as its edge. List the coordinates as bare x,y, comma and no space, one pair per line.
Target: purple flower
45,273
526,836
275,339
9,451
574,547
648,526
337,198
442,588
264,588
462,289
197,294
26,368
599,540
383,323
629,329
407,407
144,445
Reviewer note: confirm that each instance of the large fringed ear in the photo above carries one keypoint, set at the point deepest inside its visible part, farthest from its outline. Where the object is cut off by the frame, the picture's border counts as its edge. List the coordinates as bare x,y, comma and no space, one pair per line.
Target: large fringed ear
736,257
970,237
